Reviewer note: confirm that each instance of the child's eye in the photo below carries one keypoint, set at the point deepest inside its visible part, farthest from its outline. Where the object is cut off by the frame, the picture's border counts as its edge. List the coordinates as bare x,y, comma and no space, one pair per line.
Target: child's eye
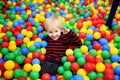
56,31
50,32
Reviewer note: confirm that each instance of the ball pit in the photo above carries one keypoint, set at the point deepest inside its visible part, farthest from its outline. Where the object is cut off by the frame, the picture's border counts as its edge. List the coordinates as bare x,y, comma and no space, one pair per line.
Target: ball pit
22,44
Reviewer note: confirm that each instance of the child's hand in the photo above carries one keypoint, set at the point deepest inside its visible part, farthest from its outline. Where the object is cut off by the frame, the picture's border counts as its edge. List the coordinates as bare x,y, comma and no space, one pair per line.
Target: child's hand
65,30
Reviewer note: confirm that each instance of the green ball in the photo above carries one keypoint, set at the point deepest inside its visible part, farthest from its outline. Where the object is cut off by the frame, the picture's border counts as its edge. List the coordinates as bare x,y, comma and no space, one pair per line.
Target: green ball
24,17
38,50
4,51
2,3
20,59
34,75
67,75
81,13
24,74
10,56
12,38
35,32
105,54
1,40
16,52
87,42
93,52
12,17
61,70
76,30
1,21
72,22
78,54
117,39
76,50
63,59
32,48
92,75
69,9
9,33
74,10
81,61
17,73
106,18
100,74
115,27
36,24
53,9
107,61
66,65
119,51
23,45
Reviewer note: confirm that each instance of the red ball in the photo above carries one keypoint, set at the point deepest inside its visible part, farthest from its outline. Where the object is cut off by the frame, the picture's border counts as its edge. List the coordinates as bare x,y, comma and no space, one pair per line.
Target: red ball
19,41
61,78
4,44
109,77
103,34
70,58
36,54
5,38
28,24
42,57
2,68
74,66
22,78
12,29
16,66
99,78
109,37
27,60
108,66
109,71
79,25
34,36
29,28
89,67
98,60
45,76
97,46
90,58
19,28
16,33
82,35
4,29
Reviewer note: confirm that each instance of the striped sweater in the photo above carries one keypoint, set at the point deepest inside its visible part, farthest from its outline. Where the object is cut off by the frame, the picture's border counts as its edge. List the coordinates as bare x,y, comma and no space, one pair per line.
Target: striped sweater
56,48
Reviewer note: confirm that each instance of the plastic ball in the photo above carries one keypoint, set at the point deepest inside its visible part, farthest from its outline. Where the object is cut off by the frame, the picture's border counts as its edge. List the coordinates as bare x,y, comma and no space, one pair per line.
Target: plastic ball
97,35
84,49
103,41
22,78
81,72
37,44
70,58
69,52
45,76
90,58
27,60
35,61
88,67
8,74
99,78
42,57
92,75
100,67
105,54
19,41
44,44
34,75
27,67
117,70
74,66
24,51
67,65
43,50
36,54
100,74
32,48
53,78
89,36
114,58
20,59
81,61
61,70
67,75
36,67
97,46
113,50
5,44
17,73
9,65
77,77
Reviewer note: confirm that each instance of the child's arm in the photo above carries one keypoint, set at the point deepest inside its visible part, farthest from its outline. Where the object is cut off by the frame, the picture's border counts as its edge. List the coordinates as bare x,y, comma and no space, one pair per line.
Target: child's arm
74,40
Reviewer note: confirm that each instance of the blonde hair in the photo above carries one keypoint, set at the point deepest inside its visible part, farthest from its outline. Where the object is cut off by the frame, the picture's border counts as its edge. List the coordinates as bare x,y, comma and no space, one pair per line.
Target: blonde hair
53,21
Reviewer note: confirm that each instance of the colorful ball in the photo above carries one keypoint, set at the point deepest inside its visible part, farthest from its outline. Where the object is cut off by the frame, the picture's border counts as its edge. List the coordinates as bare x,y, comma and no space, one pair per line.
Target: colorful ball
8,74
27,67
117,70
100,67
9,65
69,52
34,75
67,75
45,76
36,67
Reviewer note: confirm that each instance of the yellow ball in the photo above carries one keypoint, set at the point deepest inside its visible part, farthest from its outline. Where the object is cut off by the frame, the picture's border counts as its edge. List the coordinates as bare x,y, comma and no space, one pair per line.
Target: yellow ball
114,50
9,24
9,2
38,40
9,65
117,16
69,52
8,74
100,67
36,67
89,31
114,64
27,67
81,72
0,72
43,50
103,28
0,55
29,34
29,55
89,23
26,40
12,47
97,35
24,31
84,49
86,78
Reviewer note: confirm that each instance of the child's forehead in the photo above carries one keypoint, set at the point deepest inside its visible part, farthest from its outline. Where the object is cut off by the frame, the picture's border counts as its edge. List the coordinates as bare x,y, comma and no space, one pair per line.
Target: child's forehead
52,28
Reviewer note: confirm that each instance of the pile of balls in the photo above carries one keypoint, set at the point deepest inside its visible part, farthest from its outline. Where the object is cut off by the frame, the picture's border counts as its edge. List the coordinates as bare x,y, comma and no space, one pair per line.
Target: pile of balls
22,44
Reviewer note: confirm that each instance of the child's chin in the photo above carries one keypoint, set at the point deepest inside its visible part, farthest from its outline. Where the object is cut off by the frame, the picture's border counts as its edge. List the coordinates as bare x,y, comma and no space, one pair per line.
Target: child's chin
55,38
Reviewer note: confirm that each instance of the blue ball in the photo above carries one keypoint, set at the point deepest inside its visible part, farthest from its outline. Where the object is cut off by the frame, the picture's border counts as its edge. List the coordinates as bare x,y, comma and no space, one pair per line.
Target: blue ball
117,77
33,14
77,77
89,37
103,41
39,28
35,61
37,44
25,51
105,47
20,36
115,58
41,35
15,23
90,47
117,70
44,44
86,15
53,78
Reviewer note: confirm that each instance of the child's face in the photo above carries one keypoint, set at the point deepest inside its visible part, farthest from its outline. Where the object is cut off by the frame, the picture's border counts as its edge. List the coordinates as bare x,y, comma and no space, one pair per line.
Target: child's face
54,32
